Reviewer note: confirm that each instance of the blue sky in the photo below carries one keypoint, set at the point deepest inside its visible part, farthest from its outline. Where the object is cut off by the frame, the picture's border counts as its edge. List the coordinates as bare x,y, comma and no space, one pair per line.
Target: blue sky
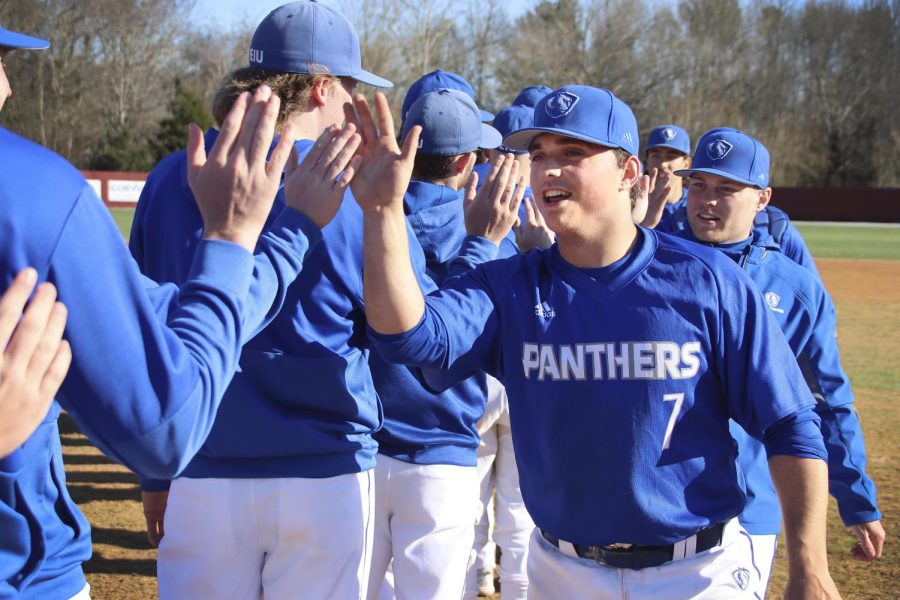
228,13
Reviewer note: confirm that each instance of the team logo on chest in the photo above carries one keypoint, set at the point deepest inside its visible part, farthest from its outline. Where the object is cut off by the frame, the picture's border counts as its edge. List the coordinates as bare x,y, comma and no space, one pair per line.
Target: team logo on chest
773,300
544,310
560,104
741,577
651,360
718,149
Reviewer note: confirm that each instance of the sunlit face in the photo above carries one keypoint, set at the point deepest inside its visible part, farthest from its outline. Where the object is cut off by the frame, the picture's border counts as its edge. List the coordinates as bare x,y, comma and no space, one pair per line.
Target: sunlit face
5,88
721,210
577,184
667,161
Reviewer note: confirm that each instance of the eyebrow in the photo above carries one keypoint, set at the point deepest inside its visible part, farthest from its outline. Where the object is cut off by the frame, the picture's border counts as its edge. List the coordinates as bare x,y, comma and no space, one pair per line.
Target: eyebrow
566,142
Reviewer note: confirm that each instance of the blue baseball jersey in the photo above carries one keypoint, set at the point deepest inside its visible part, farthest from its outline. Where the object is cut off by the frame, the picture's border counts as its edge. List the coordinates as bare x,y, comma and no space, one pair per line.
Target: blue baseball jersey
803,309
175,349
772,221
621,382
303,403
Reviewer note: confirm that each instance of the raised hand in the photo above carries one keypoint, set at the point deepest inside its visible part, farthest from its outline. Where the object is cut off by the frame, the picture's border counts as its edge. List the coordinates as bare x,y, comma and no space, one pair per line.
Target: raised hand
314,186
655,189
491,211
533,232
235,186
383,174
35,358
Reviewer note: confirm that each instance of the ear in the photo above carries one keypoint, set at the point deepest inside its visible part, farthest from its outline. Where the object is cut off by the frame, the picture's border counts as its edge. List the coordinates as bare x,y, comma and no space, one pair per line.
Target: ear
463,163
318,95
631,173
764,197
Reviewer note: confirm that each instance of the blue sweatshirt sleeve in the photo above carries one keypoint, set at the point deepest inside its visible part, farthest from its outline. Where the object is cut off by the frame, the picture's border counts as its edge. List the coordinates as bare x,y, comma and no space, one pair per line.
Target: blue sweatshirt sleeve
457,332
841,430
150,397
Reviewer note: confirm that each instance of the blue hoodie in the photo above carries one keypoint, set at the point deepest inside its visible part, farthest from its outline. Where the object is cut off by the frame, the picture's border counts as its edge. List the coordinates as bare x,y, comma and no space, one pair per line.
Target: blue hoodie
806,314
149,363
303,403
421,425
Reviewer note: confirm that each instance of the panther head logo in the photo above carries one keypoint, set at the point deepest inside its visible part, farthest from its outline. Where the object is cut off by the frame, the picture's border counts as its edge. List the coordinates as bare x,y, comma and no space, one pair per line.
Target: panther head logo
560,104
718,149
668,134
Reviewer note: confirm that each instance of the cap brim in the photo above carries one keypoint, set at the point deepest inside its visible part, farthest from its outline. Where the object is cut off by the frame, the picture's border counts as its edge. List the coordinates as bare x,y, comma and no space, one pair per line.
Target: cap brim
486,117
11,39
521,140
670,147
719,173
372,79
490,137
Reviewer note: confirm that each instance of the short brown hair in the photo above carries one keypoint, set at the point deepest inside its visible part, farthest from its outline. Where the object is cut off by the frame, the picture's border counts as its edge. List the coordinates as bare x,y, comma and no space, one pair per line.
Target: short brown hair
434,167
622,157
293,88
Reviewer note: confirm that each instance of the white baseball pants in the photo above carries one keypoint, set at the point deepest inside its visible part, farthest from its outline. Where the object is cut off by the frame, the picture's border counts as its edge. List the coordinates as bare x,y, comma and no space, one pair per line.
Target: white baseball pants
424,519
723,573
764,547
267,538
505,514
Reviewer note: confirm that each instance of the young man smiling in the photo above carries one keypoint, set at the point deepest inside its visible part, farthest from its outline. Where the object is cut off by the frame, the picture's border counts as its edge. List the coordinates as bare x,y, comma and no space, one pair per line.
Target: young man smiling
728,188
624,354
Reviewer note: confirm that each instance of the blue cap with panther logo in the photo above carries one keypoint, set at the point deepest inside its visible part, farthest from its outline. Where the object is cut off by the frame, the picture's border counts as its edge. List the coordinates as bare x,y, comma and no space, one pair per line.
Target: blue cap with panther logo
669,136
582,112
731,154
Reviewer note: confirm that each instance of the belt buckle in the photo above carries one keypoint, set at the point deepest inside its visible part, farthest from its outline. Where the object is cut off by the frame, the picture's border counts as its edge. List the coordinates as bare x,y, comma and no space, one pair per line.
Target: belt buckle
618,547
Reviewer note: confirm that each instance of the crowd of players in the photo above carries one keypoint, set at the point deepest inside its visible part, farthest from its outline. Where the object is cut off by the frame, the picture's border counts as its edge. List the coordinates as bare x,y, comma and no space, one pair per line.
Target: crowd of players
350,333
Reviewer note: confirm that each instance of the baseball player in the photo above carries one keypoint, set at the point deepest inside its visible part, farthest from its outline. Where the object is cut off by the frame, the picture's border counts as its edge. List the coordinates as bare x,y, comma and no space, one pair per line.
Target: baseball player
149,363
729,184
673,218
668,149
35,358
624,354
295,427
426,484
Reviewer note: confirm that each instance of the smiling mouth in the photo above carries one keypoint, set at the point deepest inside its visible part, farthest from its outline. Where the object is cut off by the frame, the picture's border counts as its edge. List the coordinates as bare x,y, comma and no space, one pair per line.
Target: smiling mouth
707,218
555,196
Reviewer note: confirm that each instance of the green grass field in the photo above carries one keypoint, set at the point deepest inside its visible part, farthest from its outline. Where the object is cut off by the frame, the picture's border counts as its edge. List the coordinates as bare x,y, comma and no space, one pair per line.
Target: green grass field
852,241
861,268
123,218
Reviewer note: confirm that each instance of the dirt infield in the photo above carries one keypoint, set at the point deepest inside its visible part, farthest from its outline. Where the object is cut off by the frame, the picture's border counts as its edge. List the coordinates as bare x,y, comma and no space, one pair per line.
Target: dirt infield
867,295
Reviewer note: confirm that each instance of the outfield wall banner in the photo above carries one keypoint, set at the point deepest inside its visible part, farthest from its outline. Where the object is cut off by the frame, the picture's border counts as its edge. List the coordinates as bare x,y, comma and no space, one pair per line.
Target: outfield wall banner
117,189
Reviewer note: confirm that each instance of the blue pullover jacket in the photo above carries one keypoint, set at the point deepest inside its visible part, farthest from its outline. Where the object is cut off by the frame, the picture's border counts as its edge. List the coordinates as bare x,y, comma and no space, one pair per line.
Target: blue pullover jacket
807,316
422,425
303,403
149,363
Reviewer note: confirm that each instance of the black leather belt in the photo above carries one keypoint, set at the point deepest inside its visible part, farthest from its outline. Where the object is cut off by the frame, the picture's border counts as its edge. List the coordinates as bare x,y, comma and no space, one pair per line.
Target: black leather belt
641,557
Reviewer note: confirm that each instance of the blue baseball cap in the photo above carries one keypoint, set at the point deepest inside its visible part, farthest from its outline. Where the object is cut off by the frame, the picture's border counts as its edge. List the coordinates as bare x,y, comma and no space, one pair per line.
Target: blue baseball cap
20,41
731,154
513,118
298,37
438,80
531,95
669,136
451,124
585,113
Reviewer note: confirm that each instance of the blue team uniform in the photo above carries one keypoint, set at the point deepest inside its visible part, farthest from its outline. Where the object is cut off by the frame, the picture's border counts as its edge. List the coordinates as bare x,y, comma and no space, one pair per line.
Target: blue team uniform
422,425
772,221
303,403
806,314
621,381
177,349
